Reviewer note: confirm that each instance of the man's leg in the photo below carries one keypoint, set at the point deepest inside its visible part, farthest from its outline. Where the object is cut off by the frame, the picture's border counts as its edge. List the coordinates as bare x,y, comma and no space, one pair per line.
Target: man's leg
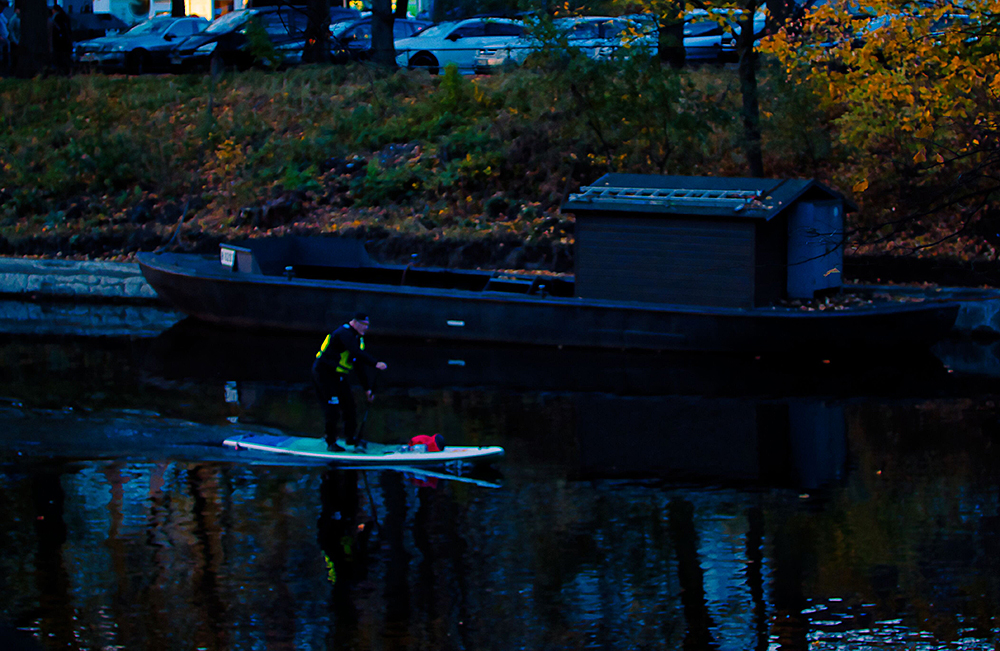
326,391
331,413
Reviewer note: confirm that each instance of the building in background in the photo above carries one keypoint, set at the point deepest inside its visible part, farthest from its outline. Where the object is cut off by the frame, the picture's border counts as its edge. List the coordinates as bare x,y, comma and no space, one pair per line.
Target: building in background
136,11
210,9
75,6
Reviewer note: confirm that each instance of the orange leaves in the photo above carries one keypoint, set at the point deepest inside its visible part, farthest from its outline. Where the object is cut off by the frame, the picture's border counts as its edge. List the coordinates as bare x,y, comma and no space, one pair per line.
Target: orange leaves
895,76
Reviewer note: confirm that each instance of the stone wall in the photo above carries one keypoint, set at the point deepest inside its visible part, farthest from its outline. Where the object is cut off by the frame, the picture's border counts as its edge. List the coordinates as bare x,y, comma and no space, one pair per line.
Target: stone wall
85,280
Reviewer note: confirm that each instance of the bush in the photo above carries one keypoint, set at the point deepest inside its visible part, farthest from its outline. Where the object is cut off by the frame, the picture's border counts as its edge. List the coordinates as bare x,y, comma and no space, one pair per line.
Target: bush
445,153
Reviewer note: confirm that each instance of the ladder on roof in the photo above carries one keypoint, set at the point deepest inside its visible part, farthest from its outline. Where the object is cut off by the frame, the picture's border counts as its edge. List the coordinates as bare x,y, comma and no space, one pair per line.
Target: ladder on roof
662,196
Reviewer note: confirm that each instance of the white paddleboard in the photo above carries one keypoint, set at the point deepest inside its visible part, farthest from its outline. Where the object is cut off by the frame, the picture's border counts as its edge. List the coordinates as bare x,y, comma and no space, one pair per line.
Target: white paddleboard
375,454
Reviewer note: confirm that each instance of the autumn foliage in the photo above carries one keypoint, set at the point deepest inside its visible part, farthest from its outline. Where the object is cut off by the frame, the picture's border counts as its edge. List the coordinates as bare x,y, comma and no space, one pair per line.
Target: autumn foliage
909,91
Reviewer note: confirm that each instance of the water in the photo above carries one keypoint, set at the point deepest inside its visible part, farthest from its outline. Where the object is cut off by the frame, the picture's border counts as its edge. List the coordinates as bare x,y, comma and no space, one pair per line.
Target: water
645,502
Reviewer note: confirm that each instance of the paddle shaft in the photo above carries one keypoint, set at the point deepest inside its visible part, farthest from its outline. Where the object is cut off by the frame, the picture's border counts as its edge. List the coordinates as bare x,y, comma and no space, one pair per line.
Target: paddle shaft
368,408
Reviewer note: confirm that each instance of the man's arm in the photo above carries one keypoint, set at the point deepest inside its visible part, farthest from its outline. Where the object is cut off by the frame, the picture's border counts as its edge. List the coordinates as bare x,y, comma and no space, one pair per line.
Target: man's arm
350,342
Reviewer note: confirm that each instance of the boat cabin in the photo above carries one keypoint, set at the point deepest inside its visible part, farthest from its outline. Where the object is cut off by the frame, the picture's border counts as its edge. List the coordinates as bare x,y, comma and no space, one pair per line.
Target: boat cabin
707,241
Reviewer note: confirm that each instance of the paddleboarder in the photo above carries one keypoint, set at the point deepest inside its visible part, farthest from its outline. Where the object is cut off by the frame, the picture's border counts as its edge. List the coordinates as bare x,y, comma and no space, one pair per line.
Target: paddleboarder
341,352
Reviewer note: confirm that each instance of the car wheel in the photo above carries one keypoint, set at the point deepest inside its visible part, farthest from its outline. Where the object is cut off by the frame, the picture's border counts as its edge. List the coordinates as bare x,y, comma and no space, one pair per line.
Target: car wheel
424,60
138,62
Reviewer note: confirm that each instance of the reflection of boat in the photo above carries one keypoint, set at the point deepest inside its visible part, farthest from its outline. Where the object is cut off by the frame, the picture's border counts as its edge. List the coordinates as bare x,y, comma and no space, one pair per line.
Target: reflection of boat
798,443
192,349
78,319
313,284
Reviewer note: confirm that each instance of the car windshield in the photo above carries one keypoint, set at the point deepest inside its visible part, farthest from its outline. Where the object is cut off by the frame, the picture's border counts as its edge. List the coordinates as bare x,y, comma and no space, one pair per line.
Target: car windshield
228,22
612,28
578,29
154,26
435,31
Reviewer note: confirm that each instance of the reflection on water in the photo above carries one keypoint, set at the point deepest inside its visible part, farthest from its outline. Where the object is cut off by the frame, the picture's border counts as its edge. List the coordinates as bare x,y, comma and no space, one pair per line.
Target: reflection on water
645,502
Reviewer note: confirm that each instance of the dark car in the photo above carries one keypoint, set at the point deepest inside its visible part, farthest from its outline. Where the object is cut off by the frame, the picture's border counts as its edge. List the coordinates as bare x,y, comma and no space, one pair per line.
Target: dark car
351,40
226,38
88,26
140,49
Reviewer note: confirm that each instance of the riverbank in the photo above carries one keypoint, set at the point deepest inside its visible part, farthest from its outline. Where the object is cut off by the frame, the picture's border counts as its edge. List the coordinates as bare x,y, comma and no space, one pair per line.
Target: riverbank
83,280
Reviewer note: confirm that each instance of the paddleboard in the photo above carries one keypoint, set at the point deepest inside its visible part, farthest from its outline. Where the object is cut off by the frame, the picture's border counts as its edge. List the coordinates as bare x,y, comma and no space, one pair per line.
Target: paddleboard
375,454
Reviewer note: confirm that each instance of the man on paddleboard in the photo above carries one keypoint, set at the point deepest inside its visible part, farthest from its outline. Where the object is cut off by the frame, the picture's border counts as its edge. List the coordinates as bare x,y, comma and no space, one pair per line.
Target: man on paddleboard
341,351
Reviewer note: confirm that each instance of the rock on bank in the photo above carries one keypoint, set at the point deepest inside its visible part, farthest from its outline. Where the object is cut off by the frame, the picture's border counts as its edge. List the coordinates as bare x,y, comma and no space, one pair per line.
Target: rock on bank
74,279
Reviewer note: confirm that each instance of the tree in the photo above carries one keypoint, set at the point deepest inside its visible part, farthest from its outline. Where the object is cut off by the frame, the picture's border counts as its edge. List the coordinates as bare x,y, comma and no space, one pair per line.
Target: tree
746,36
670,23
383,48
36,52
177,8
911,89
317,49
739,16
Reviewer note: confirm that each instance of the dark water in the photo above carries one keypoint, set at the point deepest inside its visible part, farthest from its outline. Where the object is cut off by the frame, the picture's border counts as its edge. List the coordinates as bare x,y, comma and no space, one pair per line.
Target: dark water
645,502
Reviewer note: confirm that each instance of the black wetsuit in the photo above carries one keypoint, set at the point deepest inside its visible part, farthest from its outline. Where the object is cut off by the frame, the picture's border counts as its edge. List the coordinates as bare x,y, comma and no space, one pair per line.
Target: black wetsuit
334,361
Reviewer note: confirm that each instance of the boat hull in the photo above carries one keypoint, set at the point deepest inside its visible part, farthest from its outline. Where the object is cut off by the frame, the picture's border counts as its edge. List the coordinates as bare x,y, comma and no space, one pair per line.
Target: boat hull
292,304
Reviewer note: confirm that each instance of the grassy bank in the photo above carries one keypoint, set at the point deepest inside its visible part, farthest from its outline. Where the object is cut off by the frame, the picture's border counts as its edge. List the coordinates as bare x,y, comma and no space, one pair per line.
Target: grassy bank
463,171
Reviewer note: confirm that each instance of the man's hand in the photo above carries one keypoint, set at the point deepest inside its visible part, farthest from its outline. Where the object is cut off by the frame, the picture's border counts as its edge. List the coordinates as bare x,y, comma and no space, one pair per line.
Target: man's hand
370,395
381,366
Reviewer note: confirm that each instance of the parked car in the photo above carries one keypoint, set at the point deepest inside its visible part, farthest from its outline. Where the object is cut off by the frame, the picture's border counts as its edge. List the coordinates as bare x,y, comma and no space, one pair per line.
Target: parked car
88,26
456,42
710,37
140,49
350,40
597,37
226,37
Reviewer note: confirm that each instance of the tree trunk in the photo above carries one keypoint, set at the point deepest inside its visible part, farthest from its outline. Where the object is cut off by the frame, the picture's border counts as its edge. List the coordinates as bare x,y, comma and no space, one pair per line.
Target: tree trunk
177,9
748,89
383,48
317,48
671,41
36,38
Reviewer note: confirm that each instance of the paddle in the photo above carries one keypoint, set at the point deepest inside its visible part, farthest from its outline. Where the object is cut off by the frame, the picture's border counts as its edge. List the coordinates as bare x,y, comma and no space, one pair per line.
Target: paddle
364,419
371,501
361,427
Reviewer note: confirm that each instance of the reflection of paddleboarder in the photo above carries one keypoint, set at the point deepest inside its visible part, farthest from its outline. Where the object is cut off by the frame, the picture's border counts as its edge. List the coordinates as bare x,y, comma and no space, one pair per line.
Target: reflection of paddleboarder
342,531
334,361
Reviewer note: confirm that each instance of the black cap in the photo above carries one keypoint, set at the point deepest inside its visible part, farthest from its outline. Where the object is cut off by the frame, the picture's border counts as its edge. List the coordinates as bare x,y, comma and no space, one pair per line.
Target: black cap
360,316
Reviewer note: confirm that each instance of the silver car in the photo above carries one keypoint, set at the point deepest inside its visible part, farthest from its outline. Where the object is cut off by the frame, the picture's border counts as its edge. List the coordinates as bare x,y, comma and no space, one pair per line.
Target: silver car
456,43
596,37
140,49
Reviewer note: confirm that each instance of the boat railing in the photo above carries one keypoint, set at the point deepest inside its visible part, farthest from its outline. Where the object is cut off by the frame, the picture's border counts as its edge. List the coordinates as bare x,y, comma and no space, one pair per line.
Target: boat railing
279,259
